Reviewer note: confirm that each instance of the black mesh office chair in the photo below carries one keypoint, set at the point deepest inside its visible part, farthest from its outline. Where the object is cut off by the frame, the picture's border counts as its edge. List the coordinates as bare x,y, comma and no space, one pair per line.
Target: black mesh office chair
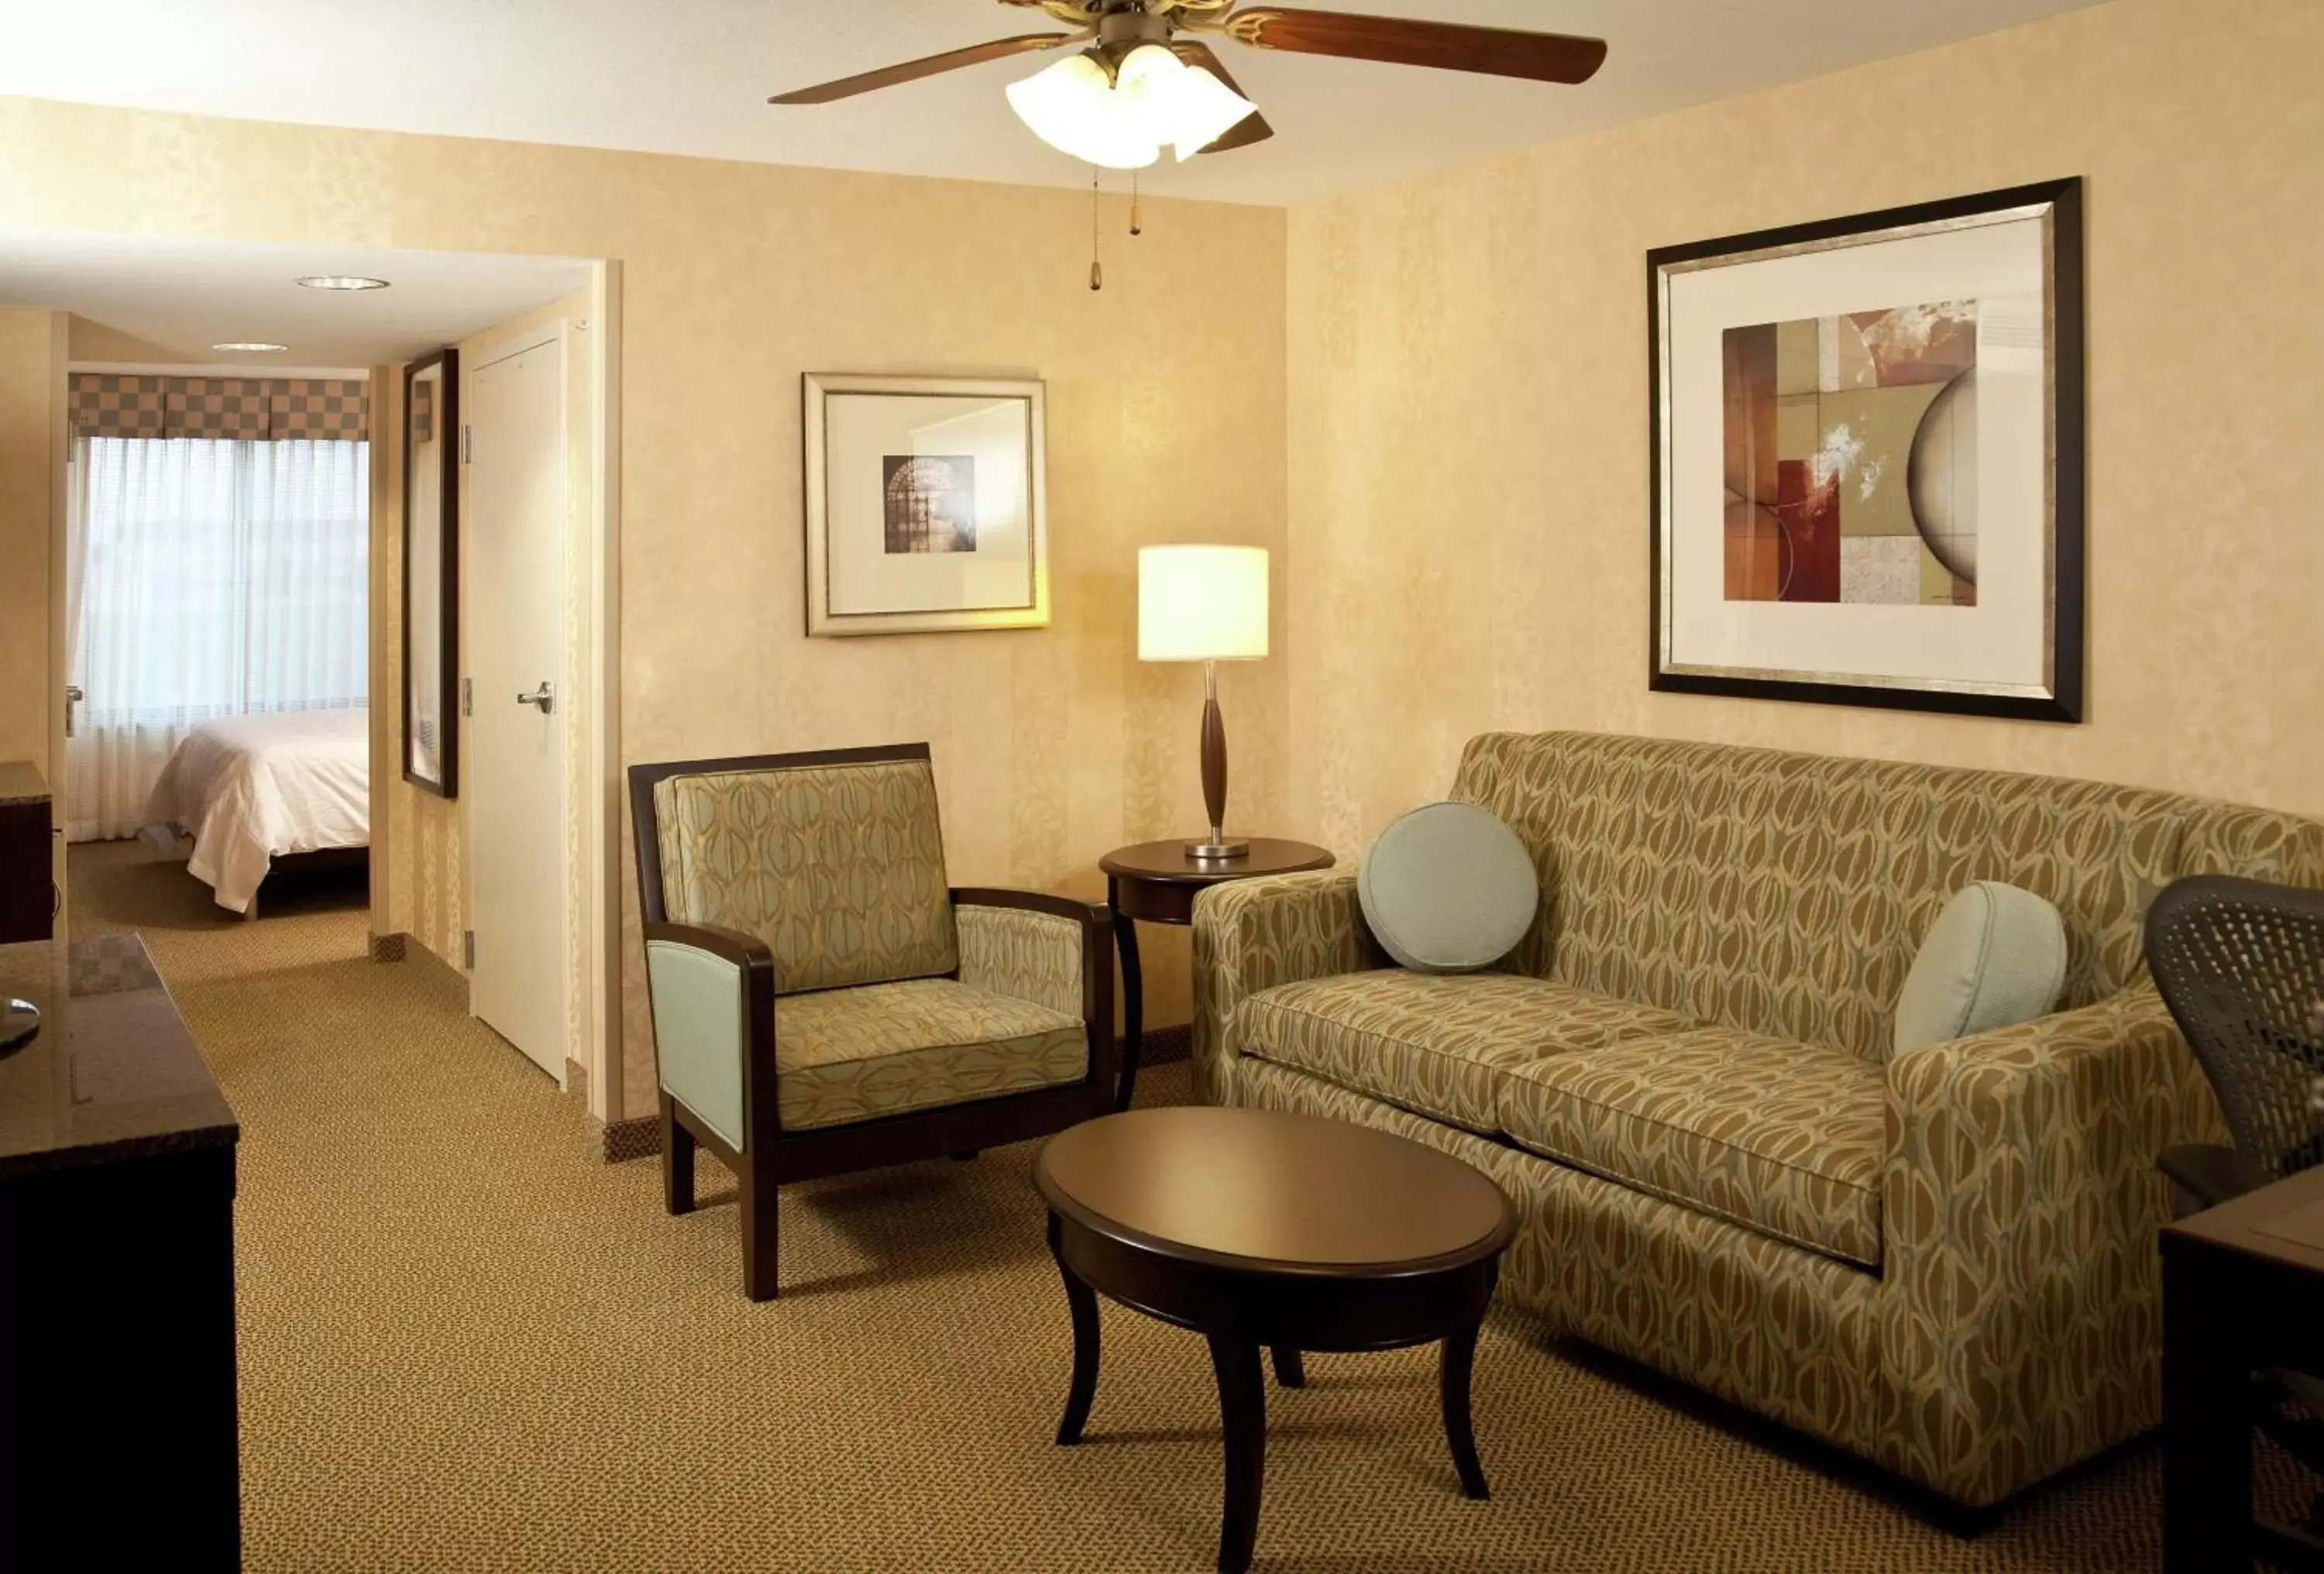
2241,966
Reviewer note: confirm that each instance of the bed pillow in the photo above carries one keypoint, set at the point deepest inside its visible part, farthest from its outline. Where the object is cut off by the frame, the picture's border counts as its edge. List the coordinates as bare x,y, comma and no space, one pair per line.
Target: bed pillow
1448,888
1995,956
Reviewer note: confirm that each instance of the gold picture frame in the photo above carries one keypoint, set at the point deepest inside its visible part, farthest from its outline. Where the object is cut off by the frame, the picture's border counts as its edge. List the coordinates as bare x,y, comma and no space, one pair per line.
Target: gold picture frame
926,505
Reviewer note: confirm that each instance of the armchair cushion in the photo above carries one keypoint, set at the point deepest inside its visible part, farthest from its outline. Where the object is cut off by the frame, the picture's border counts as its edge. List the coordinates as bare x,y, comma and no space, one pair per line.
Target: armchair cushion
838,867
1435,1044
1785,1139
848,1055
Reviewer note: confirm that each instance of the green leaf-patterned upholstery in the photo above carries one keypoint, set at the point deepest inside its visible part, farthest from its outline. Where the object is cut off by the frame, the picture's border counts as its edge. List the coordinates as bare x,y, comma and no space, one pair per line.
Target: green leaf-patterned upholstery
838,867
1783,1138
1946,1262
1440,1044
845,1056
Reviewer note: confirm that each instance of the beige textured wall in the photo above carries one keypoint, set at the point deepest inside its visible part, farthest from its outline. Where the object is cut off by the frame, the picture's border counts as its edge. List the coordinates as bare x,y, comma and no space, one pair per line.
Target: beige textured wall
31,439
1468,427
1165,422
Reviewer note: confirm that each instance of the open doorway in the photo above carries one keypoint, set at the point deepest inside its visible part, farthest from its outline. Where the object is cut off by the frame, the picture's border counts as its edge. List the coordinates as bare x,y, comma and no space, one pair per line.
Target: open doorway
230,608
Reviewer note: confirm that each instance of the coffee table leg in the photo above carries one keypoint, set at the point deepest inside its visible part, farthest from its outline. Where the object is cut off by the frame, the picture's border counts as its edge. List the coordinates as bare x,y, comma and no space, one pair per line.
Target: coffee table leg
1452,1374
1082,1301
1242,1413
1288,1370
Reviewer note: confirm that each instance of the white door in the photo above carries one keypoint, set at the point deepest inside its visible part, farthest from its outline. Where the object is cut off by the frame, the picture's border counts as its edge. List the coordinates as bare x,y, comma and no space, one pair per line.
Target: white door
520,725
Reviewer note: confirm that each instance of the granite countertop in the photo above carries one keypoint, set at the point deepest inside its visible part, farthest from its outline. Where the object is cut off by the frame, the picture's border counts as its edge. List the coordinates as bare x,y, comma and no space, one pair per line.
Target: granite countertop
112,1074
21,783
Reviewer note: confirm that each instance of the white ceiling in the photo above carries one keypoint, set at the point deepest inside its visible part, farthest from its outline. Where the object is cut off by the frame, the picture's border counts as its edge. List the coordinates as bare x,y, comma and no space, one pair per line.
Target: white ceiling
692,76
178,297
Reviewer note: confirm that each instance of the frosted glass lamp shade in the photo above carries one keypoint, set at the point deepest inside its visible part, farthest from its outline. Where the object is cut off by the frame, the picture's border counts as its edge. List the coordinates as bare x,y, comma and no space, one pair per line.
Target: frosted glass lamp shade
1176,103
1124,118
1202,604
1072,106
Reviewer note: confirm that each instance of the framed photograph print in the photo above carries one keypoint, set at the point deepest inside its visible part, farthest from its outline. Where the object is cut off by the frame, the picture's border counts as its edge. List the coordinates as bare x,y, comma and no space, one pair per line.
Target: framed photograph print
926,504
431,573
1867,459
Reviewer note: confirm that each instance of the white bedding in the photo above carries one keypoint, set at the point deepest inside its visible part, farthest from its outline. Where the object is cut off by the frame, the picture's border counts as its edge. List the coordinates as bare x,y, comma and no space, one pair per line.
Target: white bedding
251,787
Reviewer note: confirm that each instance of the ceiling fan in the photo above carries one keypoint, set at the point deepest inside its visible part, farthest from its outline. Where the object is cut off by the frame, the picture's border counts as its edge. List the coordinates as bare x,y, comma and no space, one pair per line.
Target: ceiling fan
1135,86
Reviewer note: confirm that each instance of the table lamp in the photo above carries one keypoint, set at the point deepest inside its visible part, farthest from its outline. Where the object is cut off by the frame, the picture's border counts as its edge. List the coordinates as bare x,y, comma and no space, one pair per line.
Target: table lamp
1206,604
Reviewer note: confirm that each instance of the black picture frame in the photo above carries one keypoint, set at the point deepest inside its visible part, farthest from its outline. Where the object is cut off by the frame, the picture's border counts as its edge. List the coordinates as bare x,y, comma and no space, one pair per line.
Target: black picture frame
443,531
2068,434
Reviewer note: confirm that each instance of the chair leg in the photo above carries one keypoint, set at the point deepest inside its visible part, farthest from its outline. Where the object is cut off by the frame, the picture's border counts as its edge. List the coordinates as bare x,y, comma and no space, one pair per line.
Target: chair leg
759,1275
677,1160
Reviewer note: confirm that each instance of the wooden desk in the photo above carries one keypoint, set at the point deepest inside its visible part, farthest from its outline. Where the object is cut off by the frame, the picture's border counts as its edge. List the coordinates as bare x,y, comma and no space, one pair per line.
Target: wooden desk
2243,1289
117,1405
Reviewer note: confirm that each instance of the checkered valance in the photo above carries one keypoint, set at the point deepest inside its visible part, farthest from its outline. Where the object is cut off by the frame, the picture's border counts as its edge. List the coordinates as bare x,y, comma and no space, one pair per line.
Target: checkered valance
107,404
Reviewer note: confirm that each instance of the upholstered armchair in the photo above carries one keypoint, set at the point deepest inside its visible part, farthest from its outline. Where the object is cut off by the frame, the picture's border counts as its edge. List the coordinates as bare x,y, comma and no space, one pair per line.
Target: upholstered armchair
822,1002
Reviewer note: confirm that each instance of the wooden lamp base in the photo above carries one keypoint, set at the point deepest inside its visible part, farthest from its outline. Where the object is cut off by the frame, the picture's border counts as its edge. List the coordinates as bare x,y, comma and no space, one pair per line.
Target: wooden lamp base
1216,848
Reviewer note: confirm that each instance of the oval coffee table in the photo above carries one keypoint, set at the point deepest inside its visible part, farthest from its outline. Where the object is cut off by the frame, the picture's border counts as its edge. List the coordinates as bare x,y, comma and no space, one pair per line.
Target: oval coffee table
1287,1231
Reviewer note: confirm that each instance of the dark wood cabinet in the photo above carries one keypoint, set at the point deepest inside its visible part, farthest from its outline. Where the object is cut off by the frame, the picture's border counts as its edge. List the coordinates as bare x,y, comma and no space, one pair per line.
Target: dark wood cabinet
119,1431
28,890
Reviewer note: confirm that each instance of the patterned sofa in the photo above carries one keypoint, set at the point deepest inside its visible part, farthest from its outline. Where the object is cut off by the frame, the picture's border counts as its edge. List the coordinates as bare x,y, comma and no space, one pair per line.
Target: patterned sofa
1944,1261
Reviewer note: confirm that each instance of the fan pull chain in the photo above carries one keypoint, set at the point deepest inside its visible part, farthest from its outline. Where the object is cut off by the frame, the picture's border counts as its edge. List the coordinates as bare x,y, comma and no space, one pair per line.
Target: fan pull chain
1097,274
1137,225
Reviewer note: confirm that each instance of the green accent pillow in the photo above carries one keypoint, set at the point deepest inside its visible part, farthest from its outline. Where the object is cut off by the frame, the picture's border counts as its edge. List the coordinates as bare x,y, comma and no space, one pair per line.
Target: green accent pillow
1448,888
1995,956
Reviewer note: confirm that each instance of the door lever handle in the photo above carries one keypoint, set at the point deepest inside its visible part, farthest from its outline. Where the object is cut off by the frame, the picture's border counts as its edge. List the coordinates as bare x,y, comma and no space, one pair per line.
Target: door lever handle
544,697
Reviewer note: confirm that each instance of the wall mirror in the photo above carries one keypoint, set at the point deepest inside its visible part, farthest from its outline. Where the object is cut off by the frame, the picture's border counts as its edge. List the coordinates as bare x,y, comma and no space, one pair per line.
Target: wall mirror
431,573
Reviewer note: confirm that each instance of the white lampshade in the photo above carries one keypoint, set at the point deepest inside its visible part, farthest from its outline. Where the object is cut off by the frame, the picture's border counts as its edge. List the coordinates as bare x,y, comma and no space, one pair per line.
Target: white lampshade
1071,105
1176,103
1123,120
1202,604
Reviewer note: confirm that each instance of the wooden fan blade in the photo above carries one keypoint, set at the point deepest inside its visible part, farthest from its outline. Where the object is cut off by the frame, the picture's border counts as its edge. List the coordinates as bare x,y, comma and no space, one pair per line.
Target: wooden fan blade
933,65
1250,128
1448,46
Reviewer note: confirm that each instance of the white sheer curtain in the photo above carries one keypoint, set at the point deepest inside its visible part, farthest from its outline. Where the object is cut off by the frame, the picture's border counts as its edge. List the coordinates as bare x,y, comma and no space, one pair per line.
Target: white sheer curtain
206,577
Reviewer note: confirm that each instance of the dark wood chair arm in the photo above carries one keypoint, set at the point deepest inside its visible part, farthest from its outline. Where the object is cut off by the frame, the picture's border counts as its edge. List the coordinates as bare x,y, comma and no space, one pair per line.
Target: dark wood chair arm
1096,920
743,949
750,954
2208,1175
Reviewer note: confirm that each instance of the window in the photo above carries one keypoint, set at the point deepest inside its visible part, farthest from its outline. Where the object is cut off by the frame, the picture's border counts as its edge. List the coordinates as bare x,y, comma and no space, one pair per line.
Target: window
209,577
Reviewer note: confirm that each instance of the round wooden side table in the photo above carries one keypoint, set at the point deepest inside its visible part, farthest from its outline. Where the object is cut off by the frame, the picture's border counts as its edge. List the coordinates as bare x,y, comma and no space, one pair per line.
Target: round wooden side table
1262,1231
1158,881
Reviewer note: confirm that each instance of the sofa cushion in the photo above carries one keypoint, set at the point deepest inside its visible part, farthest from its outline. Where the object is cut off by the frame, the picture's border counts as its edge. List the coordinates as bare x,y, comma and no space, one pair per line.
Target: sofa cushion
845,1056
1787,1139
1435,1044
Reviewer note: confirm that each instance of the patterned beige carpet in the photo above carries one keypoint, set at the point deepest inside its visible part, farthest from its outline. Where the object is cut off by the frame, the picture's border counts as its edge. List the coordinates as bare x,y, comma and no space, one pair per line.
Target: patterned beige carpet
467,1345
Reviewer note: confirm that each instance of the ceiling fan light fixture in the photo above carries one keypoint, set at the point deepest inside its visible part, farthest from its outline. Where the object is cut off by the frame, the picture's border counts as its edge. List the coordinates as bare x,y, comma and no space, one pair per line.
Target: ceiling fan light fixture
1181,105
1073,106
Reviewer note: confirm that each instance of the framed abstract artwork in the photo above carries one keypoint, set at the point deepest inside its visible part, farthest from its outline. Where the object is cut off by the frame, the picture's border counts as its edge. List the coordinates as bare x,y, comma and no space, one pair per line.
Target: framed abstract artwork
926,506
431,573
1867,459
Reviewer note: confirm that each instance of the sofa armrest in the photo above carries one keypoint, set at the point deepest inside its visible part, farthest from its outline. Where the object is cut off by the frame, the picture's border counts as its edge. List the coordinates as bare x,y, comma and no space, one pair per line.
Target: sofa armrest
2022,1298
1053,951
713,998
1253,934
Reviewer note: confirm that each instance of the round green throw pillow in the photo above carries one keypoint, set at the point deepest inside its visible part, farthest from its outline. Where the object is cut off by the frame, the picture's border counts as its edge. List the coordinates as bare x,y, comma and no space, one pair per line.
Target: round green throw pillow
1995,957
1448,888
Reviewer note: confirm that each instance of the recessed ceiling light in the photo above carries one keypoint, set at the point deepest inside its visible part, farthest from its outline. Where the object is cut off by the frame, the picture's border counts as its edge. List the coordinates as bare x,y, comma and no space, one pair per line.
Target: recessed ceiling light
340,282
250,347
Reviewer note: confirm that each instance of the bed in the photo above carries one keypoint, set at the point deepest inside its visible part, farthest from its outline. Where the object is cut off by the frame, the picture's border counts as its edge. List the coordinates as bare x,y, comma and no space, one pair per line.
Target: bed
265,792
